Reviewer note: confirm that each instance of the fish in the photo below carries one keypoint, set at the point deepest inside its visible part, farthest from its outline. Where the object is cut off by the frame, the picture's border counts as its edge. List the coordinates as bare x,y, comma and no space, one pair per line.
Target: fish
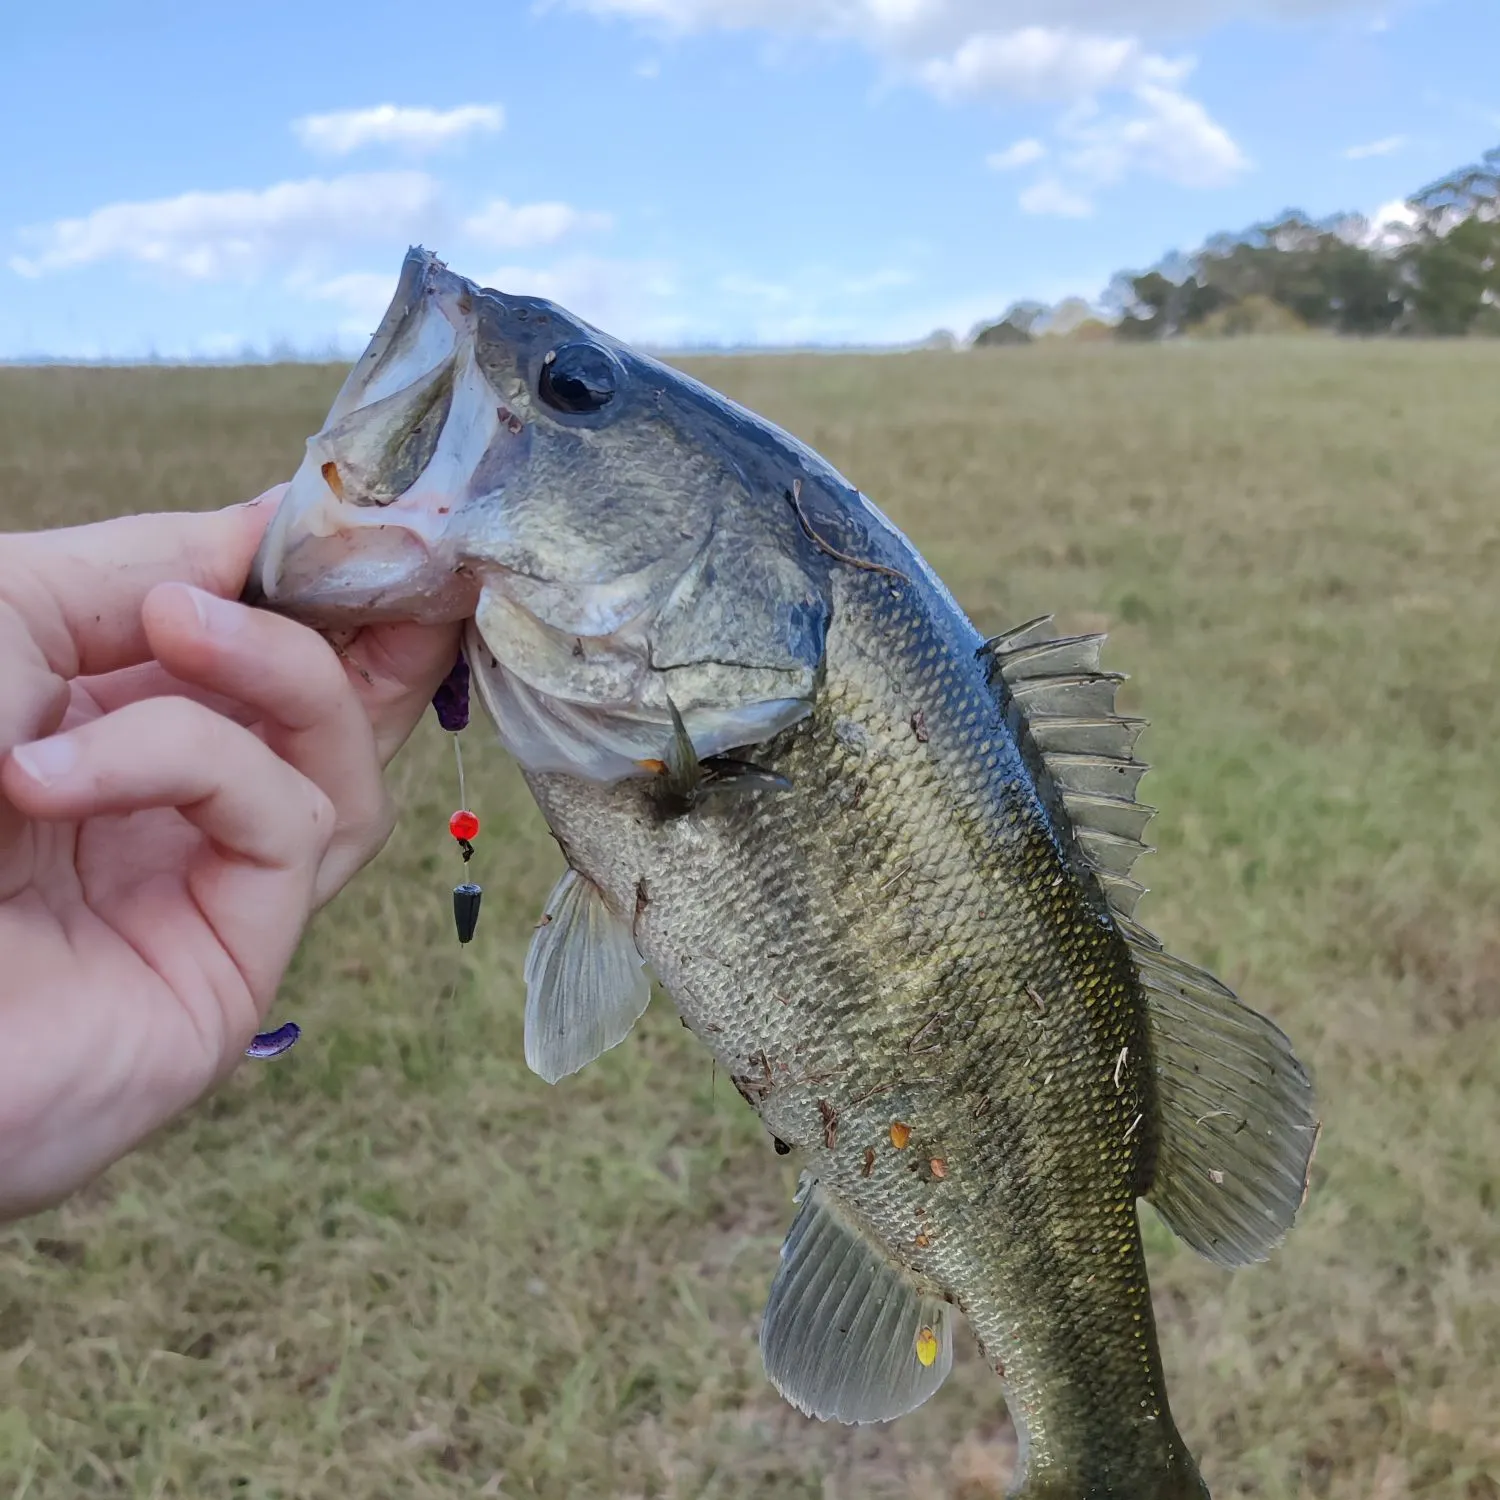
881,865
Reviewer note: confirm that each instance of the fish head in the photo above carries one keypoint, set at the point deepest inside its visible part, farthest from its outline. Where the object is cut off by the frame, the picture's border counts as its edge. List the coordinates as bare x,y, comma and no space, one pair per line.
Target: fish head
619,537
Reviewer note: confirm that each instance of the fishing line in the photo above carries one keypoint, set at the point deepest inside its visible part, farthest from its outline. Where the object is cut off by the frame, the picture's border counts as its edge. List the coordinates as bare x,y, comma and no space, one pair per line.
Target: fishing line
451,704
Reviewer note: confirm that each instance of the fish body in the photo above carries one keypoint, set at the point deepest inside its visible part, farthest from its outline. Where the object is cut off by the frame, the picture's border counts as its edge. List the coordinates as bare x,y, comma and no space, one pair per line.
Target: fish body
880,865
899,941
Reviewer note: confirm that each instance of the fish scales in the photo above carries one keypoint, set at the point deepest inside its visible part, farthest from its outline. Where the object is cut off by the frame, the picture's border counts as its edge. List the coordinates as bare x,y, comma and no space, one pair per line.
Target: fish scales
881,867
777,928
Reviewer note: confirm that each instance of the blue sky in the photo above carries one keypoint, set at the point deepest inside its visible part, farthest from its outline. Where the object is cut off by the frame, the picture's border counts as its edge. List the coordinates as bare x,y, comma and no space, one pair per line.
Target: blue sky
193,180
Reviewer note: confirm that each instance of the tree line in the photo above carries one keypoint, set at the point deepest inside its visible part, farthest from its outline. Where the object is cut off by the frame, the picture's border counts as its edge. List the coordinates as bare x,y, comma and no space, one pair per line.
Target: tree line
1436,273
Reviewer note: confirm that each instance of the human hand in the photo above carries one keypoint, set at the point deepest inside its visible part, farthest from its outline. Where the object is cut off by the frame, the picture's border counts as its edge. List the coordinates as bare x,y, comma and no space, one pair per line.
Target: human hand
183,781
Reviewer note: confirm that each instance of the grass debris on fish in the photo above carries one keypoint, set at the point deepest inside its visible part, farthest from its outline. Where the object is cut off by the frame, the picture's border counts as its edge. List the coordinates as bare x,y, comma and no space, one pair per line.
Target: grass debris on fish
884,868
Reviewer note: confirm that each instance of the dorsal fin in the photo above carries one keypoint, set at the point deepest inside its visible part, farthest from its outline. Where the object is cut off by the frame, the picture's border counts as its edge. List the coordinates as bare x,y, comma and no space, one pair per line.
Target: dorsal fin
1068,704
1238,1122
1237,1126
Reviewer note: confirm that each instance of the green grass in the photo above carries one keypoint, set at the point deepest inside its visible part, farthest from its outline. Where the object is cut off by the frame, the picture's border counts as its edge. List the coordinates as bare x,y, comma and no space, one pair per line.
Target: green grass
396,1264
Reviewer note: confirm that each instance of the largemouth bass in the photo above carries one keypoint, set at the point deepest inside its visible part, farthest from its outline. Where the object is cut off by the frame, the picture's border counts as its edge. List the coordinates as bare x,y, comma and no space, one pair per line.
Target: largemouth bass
882,866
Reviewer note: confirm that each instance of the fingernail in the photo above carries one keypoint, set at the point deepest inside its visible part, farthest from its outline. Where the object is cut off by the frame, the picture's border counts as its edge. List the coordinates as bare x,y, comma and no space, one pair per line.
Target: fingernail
47,761
215,616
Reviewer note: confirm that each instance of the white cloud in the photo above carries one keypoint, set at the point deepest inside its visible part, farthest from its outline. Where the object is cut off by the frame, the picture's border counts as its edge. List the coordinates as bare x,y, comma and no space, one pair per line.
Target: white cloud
1041,62
1168,135
633,299
937,25
343,131
1390,226
521,226
1022,154
1049,196
1397,211
302,230
1382,147
364,296
627,297
305,231
241,232
656,304
1075,52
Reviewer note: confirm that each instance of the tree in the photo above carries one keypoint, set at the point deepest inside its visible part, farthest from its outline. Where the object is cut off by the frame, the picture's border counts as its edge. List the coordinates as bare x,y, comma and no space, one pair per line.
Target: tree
1255,314
1437,274
1016,327
1329,273
1454,255
1157,306
1454,276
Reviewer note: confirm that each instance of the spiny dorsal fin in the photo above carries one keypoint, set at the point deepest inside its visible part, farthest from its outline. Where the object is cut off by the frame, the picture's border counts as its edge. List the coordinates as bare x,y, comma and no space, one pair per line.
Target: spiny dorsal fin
1039,629
1068,704
847,1336
586,985
1237,1128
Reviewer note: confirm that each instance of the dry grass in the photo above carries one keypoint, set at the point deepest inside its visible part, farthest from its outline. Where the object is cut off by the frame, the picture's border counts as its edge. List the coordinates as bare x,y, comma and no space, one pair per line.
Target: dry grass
395,1264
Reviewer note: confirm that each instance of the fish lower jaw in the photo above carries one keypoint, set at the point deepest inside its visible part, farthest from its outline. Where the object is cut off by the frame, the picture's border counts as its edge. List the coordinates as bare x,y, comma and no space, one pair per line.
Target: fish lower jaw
348,564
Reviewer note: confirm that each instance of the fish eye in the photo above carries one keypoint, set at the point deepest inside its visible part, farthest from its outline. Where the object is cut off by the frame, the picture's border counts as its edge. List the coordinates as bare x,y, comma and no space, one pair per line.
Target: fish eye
579,378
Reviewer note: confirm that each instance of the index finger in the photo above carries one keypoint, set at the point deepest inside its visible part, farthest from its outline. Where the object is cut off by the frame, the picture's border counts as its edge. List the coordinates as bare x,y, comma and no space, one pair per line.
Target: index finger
80,589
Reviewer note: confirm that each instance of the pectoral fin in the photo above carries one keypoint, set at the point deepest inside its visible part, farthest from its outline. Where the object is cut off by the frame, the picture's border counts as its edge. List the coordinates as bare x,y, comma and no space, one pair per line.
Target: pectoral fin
847,1336
687,781
586,985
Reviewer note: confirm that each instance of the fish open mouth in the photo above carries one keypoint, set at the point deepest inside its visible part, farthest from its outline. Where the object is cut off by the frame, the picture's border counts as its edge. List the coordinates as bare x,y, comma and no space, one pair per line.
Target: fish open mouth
373,523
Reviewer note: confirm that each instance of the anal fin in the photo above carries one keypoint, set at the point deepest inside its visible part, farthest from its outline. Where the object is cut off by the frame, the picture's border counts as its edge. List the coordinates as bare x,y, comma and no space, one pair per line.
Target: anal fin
586,984
847,1336
1237,1127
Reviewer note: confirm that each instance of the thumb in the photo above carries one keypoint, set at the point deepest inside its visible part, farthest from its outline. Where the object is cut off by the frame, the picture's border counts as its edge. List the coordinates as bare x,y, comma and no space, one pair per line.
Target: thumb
395,670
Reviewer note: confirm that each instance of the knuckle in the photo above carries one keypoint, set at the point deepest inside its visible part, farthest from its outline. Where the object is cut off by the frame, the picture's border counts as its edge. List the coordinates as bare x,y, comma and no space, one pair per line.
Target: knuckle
323,816
368,823
323,677
190,729
383,824
179,716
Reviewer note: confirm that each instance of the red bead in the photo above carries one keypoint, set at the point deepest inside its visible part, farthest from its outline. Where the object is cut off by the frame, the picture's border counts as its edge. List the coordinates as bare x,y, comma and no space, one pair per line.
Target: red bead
463,825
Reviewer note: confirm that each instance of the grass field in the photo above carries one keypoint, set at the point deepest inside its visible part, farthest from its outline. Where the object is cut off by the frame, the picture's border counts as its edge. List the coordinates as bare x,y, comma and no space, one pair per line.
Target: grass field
395,1264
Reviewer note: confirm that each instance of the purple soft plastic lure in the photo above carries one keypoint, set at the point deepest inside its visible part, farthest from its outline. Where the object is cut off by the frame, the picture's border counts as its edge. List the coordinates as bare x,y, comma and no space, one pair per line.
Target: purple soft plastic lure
274,1043
452,699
